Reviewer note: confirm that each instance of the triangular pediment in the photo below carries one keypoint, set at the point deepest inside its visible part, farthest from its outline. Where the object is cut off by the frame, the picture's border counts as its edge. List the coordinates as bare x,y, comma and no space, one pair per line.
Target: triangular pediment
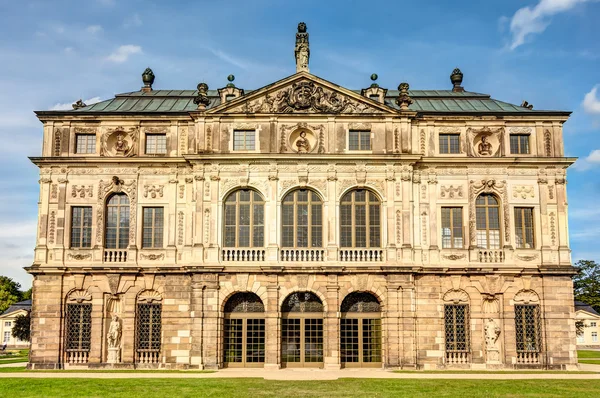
302,93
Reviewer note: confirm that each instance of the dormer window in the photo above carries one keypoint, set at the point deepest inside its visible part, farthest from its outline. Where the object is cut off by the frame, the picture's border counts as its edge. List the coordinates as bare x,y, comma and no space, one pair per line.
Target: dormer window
229,97
374,97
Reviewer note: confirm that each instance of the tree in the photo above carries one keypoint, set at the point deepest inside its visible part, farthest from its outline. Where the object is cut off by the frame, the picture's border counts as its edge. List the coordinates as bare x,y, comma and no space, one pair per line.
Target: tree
586,284
26,295
21,328
9,293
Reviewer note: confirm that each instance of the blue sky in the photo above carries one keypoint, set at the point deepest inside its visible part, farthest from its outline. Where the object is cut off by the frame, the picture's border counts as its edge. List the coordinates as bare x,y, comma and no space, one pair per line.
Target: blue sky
54,52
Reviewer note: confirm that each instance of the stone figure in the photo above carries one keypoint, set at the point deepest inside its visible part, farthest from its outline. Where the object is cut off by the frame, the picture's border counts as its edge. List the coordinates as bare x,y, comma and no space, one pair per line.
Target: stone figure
301,50
113,336
492,332
484,148
302,143
121,145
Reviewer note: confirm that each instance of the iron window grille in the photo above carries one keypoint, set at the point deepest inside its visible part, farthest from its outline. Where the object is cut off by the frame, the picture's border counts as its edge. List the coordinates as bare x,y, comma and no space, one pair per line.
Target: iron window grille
149,328
79,327
456,321
527,328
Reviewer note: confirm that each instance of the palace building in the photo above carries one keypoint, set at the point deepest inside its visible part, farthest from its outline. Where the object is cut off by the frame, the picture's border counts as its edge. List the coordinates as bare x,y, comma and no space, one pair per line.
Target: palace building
303,224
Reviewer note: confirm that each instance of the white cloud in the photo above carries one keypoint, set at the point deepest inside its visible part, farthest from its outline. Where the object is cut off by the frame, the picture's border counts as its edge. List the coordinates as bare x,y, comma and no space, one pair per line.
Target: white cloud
590,161
93,29
123,52
69,105
591,103
532,20
133,22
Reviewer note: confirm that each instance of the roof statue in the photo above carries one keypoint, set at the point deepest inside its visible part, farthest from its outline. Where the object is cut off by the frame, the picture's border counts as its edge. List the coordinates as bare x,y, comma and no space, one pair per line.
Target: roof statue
301,51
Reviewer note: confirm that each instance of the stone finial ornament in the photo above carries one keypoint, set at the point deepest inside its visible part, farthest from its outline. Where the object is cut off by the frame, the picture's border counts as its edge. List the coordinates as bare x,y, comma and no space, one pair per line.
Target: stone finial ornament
148,79
79,104
456,78
230,79
202,99
301,50
403,99
374,78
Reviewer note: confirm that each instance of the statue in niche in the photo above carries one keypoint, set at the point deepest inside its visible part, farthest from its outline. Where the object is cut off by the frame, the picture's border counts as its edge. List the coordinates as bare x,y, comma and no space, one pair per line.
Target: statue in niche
301,51
121,146
113,336
492,332
302,143
484,148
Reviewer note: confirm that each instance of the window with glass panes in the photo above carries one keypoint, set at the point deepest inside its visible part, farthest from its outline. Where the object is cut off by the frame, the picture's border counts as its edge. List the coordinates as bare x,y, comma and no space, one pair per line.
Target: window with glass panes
449,143
302,219
153,224
527,328
524,227
360,224
244,140
81,226
78,331
359,140
244,224
148,331
117,222
456,320
519,144
85,143
452,228
487,221
156,144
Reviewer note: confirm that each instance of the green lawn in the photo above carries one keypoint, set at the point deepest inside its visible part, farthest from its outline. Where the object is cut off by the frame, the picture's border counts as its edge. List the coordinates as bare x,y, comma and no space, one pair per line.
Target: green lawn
14,360
257,388
590,361
588,354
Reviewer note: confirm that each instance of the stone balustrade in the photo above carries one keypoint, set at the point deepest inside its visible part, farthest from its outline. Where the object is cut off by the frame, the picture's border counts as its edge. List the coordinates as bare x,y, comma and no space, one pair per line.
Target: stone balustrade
75,357
491,256
361,255
302,255
148,356
457,357
115,256
242,254
528,357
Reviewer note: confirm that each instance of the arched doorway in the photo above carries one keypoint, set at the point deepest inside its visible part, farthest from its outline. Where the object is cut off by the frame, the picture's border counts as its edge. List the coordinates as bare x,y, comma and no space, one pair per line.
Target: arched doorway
302,330
244,331
360,331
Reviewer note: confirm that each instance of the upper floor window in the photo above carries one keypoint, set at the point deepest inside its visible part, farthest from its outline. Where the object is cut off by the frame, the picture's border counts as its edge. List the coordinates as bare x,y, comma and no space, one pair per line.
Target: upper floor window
244,224
244,140
302,219
524,227
452,228
594,337
8,324
156,144
81,226
488,221
153,221
117,222
449,143
229,97
359,140
592,324
360,224
85,143
519,144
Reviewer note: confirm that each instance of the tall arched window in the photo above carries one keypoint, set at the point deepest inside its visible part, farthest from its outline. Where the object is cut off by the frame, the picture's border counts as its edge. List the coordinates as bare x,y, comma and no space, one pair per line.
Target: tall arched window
302,219
302,330
360,330
488,221
117,222
244,219
360,221
244,331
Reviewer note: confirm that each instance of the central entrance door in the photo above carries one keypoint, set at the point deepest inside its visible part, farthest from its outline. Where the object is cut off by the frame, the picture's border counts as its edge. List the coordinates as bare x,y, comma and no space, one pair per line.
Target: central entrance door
360,331
302,331
244,331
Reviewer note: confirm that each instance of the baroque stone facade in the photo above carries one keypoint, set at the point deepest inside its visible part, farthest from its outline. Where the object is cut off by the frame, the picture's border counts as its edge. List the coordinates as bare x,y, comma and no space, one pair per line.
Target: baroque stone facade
302,224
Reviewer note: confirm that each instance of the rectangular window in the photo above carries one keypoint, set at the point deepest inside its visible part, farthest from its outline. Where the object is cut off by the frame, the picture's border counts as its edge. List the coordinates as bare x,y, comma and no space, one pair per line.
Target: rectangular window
81,226
519,144
594,337
580,338
359,140
456,320
452,228
244,140
449,143
6,337
527,328
153,223
148,336
79,327
85,143
592,324
156,144
524,227
8,324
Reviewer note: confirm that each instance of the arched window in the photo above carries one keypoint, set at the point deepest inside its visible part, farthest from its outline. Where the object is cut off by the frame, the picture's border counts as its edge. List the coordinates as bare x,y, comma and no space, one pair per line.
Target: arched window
244,219
117,222
360,224
78,333
360,330
488,221
148,327
302,330
244,331
302,219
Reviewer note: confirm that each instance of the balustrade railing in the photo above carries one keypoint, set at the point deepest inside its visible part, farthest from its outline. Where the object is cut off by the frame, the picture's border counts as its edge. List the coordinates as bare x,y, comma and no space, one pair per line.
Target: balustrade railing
148,356
457,357
75,357
528,357
361,255
302,254
490,256
115,256
243,255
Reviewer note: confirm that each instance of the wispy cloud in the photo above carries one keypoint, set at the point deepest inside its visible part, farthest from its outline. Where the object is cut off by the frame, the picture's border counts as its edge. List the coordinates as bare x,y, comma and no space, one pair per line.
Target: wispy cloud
133,22
93,29
69,105
591,103
590,161
123,53
229,58
528,21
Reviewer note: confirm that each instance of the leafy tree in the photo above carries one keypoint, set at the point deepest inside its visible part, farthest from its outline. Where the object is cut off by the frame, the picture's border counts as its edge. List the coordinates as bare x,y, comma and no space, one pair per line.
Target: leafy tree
26,295
579,327
586,283
21,328
9,293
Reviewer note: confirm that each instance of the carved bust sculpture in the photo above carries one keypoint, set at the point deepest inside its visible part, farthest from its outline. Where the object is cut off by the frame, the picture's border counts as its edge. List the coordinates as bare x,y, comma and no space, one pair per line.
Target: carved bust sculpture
121,146
302,143
113,336
484,148
492,332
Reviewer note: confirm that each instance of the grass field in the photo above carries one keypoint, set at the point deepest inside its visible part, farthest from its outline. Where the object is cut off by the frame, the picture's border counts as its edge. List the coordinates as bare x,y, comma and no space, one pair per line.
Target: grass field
257,388
588,354
590,361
